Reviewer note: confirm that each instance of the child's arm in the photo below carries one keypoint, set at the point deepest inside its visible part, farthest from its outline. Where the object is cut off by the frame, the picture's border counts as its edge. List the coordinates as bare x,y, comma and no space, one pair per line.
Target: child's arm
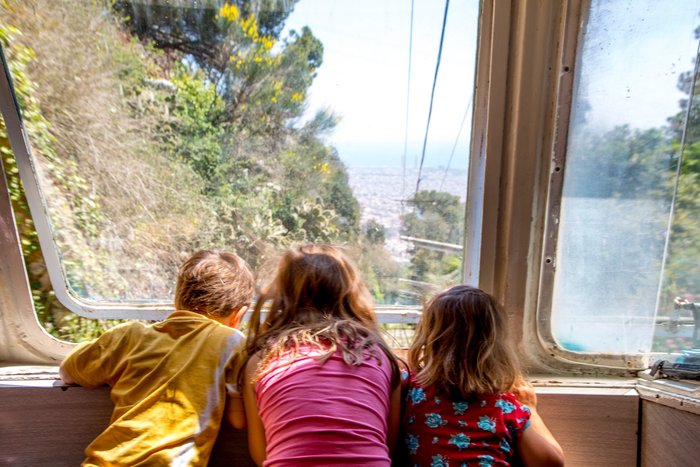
537,446
235,412
63,373
256,431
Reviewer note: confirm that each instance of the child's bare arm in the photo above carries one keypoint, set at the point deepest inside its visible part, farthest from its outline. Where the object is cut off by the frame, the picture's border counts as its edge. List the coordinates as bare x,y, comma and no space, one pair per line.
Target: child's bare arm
235,412
537,446
256,431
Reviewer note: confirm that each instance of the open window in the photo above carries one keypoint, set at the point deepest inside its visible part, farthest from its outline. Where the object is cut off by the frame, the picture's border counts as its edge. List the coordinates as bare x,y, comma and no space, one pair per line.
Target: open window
147,129
143,130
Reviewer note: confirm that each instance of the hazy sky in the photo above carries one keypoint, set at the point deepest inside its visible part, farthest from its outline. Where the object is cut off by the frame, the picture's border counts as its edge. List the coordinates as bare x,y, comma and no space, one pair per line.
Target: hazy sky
634,52
364,75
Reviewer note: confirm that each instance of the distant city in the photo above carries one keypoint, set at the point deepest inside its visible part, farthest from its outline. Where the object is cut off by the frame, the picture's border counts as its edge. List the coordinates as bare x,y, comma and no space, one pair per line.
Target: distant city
382,193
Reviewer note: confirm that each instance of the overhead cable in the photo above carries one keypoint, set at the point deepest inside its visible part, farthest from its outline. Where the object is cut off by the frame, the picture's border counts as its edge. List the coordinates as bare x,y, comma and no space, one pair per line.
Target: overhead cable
454,147
432,96
408,95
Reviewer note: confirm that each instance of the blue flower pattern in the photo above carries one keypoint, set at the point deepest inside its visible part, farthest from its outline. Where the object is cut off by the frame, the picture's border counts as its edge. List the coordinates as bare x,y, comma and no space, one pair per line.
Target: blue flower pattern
434,420
412,443
460,440
505,447
416,395
498,427
505,406
487,424
460,407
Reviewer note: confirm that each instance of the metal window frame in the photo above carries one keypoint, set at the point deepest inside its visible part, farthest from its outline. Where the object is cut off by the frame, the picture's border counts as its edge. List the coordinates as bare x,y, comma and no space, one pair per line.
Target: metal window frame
527,63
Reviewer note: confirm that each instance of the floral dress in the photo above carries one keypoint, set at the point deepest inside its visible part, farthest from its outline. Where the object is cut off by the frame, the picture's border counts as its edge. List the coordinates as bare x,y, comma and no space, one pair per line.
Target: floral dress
479,431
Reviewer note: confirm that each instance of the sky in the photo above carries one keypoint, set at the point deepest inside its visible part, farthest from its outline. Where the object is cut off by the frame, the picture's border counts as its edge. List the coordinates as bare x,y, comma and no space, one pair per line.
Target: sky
634,51
364,77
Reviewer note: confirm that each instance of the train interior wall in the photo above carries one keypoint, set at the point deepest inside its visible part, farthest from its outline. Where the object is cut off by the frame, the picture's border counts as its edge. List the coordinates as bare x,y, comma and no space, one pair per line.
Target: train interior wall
46,423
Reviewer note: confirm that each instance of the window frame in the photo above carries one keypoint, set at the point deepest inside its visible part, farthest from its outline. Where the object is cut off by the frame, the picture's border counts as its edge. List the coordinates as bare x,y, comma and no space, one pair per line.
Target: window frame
22,151
525,68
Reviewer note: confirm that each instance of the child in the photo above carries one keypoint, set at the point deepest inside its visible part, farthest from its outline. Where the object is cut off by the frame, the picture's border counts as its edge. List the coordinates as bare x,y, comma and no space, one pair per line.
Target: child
458,410
321,386
170,381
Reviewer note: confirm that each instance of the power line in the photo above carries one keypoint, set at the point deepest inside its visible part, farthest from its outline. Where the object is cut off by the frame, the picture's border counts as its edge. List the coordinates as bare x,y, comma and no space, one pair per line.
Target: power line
432,94
408,95
454,148
679,168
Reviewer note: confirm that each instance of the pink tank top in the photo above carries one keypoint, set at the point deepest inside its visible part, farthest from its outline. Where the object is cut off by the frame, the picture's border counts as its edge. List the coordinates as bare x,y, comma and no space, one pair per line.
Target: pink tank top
326,414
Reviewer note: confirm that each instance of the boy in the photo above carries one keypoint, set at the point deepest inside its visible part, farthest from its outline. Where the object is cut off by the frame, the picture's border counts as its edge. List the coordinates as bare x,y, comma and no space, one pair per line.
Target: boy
171,380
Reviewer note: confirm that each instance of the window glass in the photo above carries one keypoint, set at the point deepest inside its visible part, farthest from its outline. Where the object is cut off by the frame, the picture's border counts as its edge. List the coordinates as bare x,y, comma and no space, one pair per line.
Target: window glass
619,266
161,127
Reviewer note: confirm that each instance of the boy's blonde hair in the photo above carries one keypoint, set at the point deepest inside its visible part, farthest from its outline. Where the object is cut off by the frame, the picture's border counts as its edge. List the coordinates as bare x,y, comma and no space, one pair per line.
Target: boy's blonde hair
461,345
317,298
215,283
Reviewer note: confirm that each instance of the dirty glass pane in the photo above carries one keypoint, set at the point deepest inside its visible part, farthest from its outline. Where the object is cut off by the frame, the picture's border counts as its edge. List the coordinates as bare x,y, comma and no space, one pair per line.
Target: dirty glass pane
633,80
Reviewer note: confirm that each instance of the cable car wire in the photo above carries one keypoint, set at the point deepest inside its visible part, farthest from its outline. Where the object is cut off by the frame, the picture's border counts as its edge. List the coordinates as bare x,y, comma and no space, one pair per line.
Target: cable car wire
454,147
408,100
432,96
679,168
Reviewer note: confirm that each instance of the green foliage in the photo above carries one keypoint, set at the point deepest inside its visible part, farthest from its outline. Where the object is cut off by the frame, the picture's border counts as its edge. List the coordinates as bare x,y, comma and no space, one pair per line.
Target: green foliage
621,163
182,130
375,232
197,139
439,217
19,58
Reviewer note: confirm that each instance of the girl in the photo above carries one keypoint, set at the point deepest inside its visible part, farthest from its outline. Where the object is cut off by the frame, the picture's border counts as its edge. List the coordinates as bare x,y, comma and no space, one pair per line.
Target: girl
458,410
320,386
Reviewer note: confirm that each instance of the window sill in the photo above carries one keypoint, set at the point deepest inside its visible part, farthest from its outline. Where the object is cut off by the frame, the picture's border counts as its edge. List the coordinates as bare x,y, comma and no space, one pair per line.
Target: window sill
678,394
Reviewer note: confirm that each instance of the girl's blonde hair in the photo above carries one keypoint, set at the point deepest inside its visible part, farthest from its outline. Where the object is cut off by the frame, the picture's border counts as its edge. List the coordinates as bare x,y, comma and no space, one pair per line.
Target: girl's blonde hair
317,298
461,345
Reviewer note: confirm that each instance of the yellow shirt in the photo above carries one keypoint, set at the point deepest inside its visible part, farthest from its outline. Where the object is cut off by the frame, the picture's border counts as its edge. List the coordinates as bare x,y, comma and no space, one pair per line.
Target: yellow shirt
169,383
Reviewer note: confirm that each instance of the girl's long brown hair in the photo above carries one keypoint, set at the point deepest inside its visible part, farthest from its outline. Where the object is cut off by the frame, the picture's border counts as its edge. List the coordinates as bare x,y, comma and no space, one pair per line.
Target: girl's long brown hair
317,298
461,345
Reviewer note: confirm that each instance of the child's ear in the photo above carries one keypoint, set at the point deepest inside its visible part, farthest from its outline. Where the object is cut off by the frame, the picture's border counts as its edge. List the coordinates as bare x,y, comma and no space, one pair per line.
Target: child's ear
236,316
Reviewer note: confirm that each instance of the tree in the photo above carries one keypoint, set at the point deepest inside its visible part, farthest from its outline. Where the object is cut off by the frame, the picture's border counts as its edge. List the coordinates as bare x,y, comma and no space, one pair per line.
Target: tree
375,232
437,216
198,31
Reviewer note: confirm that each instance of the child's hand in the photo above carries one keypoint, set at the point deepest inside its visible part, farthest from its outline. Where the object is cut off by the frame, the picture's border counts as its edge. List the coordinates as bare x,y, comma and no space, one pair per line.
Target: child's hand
524,392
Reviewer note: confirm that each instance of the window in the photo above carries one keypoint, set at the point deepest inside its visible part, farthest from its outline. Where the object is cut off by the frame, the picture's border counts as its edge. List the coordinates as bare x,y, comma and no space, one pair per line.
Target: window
628,229
212,124
158,128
